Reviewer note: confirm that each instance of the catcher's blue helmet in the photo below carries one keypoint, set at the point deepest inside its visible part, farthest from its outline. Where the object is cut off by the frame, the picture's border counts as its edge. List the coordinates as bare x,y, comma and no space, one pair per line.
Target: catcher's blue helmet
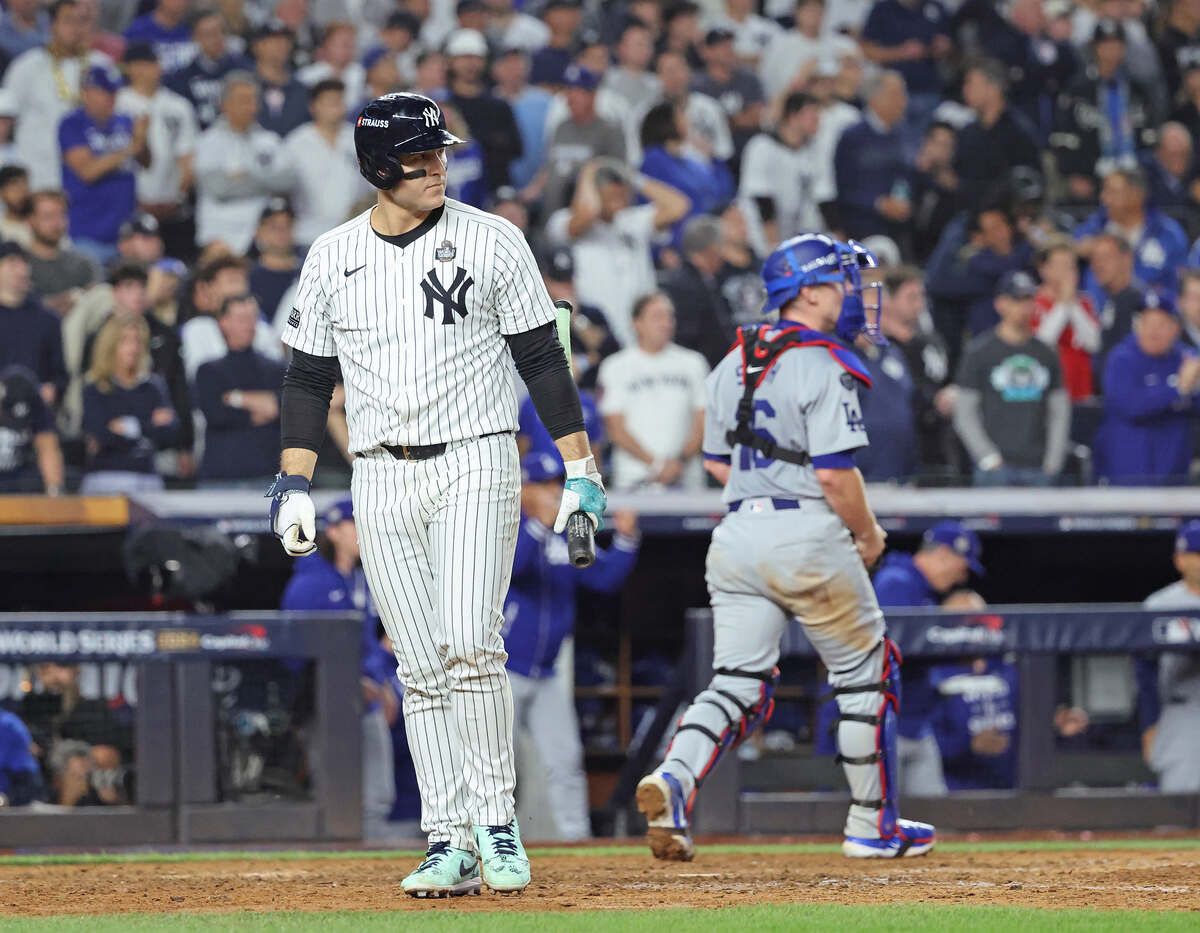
394,125
807,259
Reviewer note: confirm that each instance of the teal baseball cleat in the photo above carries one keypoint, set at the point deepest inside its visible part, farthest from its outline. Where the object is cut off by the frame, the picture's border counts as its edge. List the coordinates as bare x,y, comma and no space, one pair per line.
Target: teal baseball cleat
505,864
445,872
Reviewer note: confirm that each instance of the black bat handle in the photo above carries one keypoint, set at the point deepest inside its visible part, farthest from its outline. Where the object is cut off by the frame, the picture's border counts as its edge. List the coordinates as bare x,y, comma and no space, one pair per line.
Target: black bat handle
581,541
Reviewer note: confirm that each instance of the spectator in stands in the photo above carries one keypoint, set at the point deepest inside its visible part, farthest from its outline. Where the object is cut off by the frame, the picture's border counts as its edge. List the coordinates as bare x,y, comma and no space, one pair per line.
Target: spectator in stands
167,30
163,279
140,240
949,552
1151,394
606,231
935,188
752,33
873,178
630,77
164,183
127,416
45,82
708,135
512,29
98,147
911,37
739,277
792,57
1169,683
735,88
30,457
1189,307
24,25
889,414
539,612
704,321
1187,112
58,273
335,61
549,63
215,282
234,168
1104,118
239,398
318,165
1113,289
20,776
1177,41
489,118
71,767
1065,318
783,183
1011,411
381,76
32,335
591,339
1159,244
17,203
997,141
200,81
652,400
282,99
995,248
530,106
277,264
1170,176
583,135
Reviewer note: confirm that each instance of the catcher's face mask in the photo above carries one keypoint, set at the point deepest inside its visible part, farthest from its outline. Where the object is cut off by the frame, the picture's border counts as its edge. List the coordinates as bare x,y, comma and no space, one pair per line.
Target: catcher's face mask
861,305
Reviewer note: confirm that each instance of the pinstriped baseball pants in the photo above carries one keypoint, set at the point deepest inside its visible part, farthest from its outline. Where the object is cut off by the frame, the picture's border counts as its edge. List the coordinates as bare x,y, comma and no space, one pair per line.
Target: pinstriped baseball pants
437,538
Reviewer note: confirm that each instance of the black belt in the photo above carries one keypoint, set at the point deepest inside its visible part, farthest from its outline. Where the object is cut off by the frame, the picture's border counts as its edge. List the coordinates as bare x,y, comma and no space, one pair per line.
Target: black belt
777,503
424,451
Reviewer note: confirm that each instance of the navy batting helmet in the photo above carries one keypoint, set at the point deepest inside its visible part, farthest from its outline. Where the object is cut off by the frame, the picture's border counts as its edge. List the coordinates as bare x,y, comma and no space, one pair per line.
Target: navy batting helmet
394,125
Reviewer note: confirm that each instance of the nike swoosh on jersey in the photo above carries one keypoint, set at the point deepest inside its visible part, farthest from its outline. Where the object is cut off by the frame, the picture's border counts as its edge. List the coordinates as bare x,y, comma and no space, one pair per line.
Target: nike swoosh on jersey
350,272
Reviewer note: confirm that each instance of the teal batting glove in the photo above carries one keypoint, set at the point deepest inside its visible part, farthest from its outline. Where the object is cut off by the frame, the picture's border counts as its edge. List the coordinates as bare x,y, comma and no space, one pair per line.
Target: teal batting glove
583,492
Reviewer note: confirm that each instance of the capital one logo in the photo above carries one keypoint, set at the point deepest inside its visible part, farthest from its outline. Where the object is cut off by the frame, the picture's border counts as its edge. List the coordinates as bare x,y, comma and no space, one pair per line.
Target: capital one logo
431,116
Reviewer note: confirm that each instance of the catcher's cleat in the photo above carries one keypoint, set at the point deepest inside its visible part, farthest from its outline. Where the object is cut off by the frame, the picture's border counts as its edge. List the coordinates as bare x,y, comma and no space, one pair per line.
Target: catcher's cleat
445,872
505,864
910,838
660,798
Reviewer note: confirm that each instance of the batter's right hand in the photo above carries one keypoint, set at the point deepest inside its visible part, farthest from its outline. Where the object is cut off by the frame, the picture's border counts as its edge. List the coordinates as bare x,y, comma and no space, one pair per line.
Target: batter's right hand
293,515
583,492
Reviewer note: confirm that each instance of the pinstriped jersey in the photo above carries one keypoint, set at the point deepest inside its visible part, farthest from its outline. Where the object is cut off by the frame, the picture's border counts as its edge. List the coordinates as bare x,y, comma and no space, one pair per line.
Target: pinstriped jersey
418,323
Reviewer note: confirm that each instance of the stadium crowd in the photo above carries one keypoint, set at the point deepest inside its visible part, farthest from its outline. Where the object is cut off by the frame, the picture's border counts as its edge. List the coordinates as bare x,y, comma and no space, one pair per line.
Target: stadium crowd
1025,172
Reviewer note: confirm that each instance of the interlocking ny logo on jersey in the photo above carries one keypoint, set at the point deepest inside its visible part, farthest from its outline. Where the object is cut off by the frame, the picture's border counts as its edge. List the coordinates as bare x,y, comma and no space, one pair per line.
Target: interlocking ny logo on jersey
431,116
453,297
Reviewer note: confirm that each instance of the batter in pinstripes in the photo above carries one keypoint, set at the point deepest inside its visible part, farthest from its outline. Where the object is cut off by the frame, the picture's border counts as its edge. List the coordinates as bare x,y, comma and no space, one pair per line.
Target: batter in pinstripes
424,302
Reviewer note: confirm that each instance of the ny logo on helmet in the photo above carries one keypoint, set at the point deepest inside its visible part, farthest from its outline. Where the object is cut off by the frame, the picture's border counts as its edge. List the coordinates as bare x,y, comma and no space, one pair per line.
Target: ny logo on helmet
431,116
453,298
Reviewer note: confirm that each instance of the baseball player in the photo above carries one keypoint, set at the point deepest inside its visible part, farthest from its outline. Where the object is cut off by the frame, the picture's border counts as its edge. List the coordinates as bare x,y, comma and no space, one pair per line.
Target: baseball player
422,300
782,424
1169,684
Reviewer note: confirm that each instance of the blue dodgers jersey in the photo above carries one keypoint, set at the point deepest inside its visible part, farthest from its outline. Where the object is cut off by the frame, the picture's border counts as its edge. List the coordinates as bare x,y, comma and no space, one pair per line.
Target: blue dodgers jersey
808,401
970,700
96,210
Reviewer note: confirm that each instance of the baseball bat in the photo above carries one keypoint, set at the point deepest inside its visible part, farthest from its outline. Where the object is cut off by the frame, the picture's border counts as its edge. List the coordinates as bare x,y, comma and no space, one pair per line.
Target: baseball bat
581,541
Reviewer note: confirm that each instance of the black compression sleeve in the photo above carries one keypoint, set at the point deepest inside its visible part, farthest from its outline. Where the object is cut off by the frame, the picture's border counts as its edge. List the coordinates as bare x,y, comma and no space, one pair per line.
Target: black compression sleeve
543,365
307,389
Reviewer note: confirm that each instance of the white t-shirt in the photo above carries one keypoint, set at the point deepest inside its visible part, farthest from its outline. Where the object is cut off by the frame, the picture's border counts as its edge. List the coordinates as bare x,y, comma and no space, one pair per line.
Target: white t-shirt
794,178
325,179
789,51
171,136
659,395
613,266
751,36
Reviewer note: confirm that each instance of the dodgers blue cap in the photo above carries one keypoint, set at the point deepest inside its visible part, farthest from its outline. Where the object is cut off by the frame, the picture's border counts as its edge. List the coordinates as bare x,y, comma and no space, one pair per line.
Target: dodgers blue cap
1159,299
340,511
1188,539
960,539
580,77
541,467
105,78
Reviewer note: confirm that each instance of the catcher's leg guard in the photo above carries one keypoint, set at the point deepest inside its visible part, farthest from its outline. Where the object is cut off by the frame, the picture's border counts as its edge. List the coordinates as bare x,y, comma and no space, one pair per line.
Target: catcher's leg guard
868,698
735,703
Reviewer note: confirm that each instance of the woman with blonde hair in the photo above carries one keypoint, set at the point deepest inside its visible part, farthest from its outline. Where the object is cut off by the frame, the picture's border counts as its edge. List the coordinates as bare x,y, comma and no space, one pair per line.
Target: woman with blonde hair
127,417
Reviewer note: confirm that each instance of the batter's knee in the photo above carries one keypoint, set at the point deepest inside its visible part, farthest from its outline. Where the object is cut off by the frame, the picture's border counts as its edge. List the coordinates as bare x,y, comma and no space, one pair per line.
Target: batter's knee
469,664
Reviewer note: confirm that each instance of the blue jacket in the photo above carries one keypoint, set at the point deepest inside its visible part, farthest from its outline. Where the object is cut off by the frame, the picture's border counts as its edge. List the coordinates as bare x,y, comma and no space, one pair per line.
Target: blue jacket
20,777
887,410
898,582
1157,256
235,448
540,610
967,704
133,450
1145,438
707,186
868,165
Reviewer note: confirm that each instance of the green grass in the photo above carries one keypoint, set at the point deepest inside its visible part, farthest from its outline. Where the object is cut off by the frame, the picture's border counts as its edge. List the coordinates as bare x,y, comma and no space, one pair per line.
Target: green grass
750,848
441,918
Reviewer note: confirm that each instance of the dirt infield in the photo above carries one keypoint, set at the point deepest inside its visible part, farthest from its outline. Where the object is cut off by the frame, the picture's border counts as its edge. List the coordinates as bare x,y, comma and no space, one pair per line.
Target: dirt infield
1114,879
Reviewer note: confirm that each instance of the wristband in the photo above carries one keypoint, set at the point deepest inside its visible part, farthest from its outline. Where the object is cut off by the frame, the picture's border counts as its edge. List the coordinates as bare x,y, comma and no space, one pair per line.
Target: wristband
287,483
580,469
235,398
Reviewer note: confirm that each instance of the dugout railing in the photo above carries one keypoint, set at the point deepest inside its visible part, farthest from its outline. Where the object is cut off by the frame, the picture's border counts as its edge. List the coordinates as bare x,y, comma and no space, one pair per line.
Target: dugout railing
178,798
1037,636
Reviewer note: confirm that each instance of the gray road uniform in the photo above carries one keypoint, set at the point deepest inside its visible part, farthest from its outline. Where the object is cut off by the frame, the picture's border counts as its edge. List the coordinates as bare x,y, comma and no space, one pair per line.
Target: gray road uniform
1175,752
780,553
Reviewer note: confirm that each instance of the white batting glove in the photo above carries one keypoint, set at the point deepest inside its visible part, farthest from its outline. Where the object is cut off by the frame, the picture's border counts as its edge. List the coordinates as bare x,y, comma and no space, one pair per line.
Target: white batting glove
583,492
293,515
